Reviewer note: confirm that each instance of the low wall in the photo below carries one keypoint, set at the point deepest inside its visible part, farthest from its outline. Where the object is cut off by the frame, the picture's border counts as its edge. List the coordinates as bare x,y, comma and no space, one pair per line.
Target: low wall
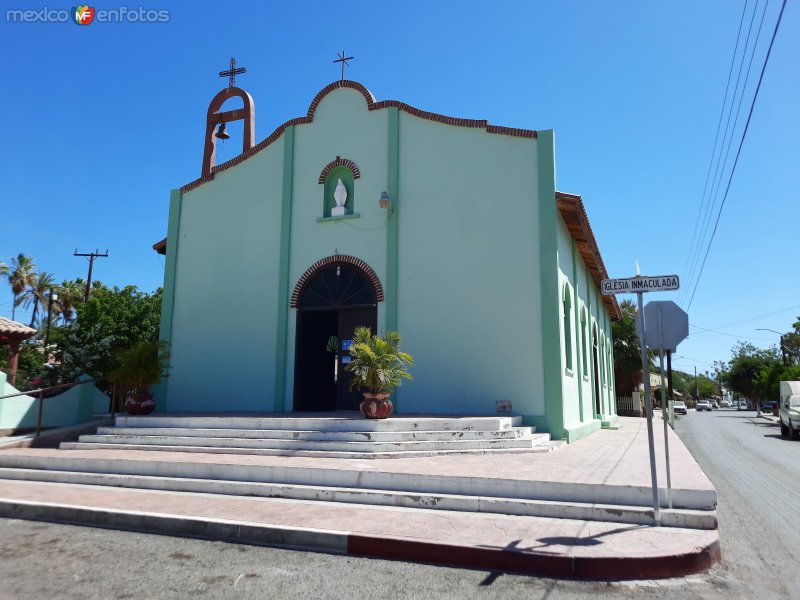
76,405
629,406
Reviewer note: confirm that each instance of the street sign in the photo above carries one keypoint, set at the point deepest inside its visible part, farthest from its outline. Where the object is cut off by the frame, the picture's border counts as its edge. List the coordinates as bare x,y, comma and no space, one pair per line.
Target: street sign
666,325
639,284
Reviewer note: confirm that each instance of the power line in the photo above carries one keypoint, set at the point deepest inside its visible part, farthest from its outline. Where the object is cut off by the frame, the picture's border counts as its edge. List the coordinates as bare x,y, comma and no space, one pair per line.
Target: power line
738,151
716,139
717,183
733,335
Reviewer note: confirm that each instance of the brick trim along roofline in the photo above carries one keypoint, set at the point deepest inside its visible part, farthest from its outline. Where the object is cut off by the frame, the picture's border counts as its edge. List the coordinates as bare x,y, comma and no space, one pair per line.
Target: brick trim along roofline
339,162
332,260
372,104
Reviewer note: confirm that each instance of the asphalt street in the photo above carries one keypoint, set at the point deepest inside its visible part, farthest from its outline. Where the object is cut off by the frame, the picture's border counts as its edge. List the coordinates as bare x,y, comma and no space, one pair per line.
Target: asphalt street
755,472
757,476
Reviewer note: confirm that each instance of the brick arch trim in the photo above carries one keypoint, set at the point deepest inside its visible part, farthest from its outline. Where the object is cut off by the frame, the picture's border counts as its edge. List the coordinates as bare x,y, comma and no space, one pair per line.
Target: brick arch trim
339,162
332,260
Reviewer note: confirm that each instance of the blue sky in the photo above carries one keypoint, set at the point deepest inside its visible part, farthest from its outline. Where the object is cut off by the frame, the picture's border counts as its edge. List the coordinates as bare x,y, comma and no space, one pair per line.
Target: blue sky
103,120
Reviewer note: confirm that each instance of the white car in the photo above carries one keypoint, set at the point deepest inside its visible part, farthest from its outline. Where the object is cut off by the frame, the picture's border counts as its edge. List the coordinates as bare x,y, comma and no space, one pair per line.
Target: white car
789,416
703,405
725,403
679,407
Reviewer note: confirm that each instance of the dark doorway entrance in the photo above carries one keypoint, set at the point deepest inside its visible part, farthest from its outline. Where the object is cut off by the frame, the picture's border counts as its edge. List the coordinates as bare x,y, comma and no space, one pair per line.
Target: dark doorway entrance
335,301
596,368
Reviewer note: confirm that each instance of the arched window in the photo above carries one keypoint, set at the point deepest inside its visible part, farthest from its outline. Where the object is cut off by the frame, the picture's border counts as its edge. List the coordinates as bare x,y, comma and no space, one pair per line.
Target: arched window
584,353
568,326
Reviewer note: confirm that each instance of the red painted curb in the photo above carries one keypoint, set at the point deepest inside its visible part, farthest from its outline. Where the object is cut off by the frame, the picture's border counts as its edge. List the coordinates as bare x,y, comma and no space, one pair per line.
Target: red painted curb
533,563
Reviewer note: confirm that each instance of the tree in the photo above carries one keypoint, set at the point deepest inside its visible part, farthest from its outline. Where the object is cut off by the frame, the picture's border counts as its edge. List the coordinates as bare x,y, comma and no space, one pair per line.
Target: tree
36,293
70,297
111,319
20,278
627,350
742,374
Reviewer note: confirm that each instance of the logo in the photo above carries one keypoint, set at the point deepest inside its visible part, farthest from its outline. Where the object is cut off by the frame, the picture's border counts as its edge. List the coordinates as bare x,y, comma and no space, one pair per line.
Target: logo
83,15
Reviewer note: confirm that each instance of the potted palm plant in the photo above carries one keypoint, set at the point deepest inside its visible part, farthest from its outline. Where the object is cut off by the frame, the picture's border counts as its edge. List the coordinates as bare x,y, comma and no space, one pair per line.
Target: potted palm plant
138,369
378,367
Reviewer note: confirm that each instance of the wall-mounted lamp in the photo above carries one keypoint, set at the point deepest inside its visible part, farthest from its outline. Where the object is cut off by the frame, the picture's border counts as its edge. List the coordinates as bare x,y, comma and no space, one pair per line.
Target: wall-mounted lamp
385,201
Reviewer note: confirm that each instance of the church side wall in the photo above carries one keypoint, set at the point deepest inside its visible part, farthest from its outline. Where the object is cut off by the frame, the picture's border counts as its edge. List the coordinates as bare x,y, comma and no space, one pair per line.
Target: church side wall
580,415
469,269
226,286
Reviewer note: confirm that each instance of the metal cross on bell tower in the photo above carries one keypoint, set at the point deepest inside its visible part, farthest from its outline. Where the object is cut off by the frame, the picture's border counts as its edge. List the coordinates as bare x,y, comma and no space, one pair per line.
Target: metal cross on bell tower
343,59
232,72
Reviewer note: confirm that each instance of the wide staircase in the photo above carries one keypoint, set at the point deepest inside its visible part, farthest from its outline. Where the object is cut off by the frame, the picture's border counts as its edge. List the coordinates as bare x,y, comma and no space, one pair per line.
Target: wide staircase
322,436
147,472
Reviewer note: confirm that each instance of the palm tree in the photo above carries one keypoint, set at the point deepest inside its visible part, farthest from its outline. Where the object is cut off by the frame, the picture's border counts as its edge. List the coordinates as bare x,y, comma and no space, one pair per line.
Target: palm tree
37,292
70,295
20,277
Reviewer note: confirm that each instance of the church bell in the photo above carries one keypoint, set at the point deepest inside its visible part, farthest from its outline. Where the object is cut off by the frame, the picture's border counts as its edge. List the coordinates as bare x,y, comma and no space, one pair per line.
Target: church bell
221,133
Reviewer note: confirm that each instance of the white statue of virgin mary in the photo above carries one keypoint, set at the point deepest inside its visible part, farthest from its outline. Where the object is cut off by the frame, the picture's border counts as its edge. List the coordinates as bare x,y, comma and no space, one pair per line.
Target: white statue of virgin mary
340,195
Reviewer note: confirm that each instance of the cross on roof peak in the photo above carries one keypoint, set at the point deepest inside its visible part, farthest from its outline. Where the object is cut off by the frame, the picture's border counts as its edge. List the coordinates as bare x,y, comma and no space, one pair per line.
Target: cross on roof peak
343,59
232,72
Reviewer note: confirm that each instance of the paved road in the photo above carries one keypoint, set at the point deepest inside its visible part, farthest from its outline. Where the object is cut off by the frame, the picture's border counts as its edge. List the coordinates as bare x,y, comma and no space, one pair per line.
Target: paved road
757,476
744,457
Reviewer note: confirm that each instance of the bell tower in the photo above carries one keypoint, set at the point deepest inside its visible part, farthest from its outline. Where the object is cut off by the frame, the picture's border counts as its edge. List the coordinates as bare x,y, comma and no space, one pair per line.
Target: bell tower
216,118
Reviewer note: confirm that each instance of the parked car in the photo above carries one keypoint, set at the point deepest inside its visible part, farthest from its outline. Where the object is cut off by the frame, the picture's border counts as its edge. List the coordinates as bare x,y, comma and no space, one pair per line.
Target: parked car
714,404
725,403
703,405
679,407
768,406
789,416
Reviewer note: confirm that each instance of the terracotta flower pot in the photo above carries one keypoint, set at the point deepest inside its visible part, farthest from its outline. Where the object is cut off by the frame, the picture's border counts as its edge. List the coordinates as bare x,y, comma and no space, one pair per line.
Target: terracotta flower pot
139,403
376,406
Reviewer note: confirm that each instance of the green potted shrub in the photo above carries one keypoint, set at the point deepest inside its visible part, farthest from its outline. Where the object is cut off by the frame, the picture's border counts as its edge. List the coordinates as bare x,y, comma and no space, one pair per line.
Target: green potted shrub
138,369
378,367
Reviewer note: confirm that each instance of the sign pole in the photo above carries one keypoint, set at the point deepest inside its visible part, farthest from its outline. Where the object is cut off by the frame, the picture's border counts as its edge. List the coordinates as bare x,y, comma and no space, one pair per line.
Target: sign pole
664,411
649,409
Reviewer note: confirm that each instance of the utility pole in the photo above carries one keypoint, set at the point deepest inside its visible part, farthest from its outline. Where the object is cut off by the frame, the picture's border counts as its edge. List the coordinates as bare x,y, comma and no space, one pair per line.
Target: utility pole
92,256
696,393
669,375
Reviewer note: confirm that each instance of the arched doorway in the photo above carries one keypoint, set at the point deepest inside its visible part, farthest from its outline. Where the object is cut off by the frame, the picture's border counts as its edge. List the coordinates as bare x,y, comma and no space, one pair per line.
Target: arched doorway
596,375
333,297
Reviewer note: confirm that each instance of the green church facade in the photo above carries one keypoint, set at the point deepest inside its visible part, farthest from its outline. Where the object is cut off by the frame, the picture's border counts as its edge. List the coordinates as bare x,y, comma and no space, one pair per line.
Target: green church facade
447,230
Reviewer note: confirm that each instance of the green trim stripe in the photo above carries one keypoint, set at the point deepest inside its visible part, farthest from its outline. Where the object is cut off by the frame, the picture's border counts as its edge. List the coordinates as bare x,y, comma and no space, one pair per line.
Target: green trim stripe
283,269
578,328
168,295
392,188
548,264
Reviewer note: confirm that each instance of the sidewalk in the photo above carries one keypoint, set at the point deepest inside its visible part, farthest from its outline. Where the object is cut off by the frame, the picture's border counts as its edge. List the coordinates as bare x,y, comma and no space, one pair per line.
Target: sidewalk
606,464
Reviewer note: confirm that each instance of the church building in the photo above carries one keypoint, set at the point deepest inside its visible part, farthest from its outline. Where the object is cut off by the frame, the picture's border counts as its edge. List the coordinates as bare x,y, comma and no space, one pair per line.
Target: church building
374,212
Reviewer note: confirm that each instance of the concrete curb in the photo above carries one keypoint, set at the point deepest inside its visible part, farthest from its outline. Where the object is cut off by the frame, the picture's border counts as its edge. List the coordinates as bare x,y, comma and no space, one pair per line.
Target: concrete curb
507,559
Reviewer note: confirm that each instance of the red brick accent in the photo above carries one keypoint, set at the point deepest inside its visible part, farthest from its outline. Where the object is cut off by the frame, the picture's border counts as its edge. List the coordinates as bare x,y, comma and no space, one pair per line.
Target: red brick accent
339,162
332,260
372,104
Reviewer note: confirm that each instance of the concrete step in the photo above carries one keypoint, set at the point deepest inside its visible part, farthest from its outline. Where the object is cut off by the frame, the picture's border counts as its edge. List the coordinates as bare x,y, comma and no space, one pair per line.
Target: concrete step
295,421
415,477
356,454
323,445
322,436
690,519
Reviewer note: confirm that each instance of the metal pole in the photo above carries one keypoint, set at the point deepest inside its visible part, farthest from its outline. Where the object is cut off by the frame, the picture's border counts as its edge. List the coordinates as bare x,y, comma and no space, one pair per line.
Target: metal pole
649,409
664,417
39,418
670,393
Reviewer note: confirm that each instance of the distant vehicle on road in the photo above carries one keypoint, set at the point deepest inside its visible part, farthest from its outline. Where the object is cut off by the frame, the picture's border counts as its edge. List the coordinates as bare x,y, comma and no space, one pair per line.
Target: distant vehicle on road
725,403
679,407
714,404
768,406
789,416
703,405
